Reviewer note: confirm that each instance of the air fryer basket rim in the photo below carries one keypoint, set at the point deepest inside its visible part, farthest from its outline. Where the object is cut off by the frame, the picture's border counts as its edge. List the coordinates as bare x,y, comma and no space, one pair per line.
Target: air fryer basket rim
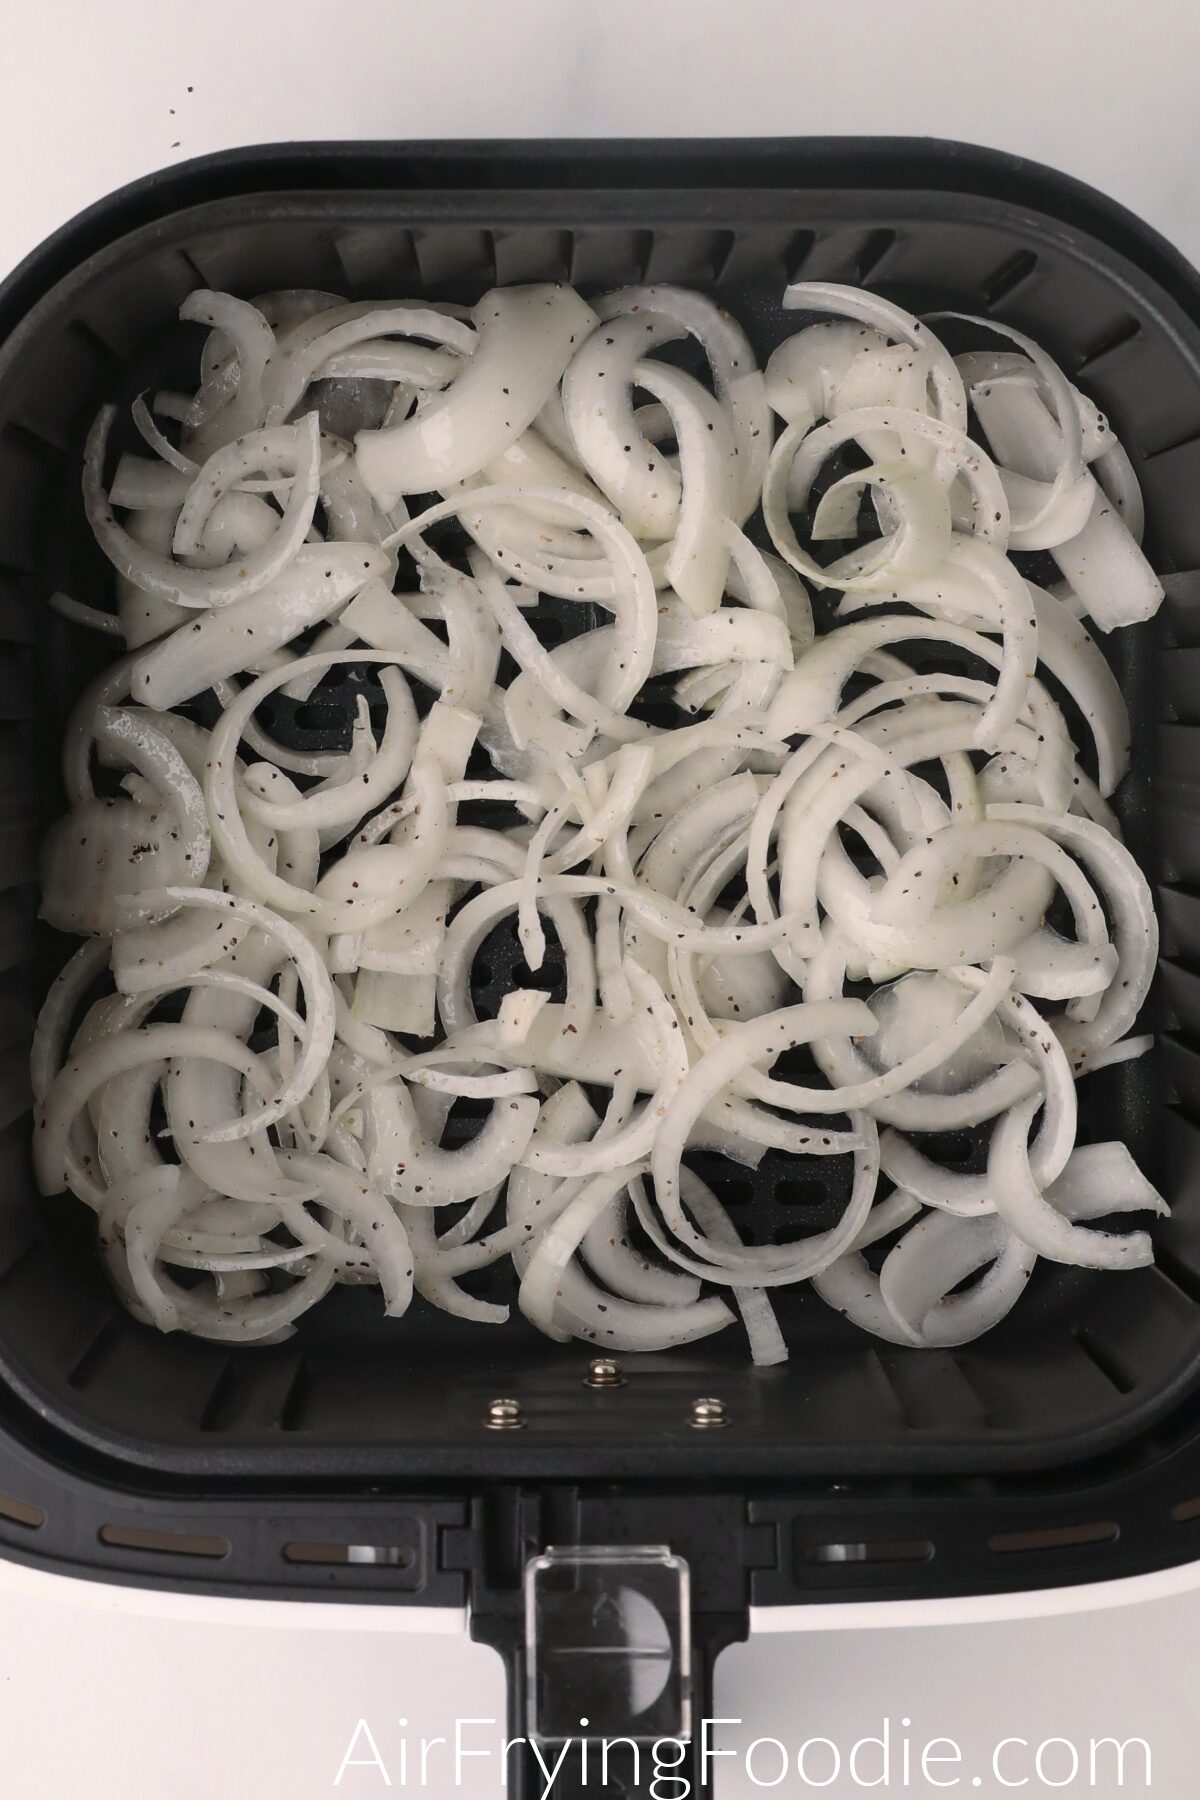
50,1453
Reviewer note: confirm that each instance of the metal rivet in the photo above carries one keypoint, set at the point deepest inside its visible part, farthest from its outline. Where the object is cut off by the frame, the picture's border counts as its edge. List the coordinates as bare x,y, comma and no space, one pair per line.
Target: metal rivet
603,1372
504,1415
709,1414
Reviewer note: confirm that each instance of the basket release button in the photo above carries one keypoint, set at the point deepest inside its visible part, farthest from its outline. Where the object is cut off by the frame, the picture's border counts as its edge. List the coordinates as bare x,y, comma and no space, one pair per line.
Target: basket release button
608,1641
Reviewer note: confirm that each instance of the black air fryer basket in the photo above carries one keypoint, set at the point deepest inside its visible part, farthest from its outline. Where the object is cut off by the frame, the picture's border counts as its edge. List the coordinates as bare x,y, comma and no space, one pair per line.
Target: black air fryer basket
360,1460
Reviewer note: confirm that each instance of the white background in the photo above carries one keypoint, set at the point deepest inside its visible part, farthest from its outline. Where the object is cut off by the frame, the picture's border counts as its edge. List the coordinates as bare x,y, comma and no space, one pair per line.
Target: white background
123,1697
1107,91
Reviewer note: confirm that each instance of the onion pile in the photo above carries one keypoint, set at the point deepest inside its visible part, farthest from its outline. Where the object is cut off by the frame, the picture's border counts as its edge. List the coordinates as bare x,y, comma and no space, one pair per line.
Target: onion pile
804,850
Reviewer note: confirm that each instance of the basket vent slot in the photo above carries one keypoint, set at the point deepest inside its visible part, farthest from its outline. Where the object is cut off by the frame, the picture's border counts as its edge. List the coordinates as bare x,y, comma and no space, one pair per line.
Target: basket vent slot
798,253
217,1406
96,1351
1180,1273
1008,277
163,1543
20,1512
883,1550
1112,340
295,1405
378,1556
87,334
1108,1364
873,252
1054,1537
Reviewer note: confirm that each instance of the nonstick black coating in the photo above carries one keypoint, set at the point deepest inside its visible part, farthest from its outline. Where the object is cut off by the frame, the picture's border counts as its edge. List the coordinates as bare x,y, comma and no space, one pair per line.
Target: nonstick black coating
1085,1362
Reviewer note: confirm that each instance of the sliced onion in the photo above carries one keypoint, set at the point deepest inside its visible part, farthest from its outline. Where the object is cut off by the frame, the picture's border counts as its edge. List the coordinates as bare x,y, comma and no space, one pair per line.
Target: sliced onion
526,336
731,819
165,579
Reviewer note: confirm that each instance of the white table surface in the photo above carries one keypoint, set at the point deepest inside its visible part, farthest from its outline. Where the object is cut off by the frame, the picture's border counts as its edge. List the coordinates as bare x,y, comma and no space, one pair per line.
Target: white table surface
95,94
119,1695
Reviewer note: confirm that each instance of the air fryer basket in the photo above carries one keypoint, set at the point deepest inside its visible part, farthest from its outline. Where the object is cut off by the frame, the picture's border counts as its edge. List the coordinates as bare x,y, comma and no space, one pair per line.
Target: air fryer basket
1055,1449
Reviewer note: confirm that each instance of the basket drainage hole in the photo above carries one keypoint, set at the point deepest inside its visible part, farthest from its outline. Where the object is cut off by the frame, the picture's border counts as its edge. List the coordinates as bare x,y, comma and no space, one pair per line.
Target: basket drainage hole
1057,1537
384,1556
907,1550
21,1513
163,1543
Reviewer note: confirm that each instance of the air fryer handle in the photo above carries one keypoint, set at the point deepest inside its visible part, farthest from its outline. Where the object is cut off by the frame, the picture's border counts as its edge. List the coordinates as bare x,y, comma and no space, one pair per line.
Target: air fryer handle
622,1769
